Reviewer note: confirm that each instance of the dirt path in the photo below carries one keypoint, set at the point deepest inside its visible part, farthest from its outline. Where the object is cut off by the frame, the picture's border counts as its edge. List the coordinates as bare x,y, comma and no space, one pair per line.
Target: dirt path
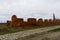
48,36
17,35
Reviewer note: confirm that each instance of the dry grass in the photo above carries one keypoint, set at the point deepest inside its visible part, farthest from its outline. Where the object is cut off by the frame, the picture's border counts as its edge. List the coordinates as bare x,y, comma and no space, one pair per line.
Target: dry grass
8,29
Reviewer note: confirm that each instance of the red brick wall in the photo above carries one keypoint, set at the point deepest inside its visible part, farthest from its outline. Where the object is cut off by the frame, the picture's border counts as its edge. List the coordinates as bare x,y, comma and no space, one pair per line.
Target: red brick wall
25,24
14,19
19,22
31,21
40,22
45,21
50,22
56,22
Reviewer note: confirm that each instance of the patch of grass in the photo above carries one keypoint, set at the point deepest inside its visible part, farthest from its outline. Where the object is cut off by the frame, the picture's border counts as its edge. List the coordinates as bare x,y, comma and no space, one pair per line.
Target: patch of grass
55,30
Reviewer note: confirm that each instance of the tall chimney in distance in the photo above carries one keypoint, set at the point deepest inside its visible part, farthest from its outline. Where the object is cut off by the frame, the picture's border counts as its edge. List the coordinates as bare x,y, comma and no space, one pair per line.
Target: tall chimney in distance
54,17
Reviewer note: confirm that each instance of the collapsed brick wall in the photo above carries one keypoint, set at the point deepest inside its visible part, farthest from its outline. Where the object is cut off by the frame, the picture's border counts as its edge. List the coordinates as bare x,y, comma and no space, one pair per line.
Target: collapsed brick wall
14,19
56,22
31,21
46,22
25,24
50,22
40,22
19,22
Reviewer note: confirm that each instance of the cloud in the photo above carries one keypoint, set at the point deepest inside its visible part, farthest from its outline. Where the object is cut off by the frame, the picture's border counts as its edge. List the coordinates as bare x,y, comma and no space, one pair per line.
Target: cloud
29,8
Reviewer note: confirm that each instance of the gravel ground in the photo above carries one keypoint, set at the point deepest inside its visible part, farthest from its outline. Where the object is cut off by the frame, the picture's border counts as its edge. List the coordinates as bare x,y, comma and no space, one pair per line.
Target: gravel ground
22,34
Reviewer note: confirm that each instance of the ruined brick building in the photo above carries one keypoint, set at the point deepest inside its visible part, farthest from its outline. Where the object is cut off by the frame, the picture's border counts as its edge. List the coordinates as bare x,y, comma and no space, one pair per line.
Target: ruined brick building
19,22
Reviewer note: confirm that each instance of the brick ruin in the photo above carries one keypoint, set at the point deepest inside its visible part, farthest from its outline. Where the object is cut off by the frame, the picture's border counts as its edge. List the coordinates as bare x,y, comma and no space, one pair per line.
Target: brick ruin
19,22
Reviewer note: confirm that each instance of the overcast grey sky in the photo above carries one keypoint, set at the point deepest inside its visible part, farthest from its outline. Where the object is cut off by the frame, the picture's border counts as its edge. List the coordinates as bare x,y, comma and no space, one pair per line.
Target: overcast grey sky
29,8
